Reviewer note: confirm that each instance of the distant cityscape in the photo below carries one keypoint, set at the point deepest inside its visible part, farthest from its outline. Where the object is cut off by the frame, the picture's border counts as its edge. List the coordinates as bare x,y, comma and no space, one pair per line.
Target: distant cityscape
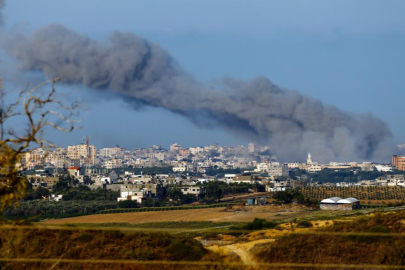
114,168
193,159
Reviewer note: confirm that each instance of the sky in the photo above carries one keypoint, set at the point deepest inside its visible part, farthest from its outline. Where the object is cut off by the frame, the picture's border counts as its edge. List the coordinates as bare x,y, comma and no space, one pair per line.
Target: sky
345,53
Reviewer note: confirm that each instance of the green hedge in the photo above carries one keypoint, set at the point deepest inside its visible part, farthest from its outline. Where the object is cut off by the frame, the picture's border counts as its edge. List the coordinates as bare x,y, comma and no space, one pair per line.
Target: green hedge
172,208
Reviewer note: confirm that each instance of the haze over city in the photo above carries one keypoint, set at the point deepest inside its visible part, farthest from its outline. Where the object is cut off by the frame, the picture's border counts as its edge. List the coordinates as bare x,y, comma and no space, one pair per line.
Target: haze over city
350,61
202,134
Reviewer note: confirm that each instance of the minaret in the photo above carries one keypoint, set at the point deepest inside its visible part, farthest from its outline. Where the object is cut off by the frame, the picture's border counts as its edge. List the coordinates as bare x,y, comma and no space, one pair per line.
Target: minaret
309,159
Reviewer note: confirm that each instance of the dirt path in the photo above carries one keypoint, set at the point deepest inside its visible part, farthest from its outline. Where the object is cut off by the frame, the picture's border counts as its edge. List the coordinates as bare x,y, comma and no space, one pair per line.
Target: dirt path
243,250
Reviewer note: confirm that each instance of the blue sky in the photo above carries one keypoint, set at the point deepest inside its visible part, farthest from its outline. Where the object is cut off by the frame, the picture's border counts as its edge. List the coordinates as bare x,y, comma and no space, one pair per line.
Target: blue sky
346,53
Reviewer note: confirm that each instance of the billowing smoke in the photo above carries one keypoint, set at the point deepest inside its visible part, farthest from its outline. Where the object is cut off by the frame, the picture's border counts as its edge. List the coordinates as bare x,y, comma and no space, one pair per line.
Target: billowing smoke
141,71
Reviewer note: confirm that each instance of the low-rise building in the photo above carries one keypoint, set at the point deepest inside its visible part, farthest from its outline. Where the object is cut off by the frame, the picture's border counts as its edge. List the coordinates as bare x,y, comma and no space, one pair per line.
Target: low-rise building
336,203
197,191
244,178
398,162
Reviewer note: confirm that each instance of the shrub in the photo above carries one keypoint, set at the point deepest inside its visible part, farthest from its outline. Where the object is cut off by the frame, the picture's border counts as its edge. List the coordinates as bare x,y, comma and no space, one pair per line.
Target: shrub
304,224
185,249
379,229
258,224
127,204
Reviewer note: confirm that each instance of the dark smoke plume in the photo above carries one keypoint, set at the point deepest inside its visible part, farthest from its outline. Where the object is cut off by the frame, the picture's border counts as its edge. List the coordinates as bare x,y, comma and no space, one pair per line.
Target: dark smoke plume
143,72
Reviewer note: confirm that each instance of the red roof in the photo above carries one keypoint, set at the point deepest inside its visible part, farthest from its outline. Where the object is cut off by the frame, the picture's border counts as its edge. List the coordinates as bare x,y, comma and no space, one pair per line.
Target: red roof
74,168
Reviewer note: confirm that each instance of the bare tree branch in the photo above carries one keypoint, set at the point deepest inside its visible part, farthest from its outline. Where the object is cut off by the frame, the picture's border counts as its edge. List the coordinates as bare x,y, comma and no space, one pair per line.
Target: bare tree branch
40,109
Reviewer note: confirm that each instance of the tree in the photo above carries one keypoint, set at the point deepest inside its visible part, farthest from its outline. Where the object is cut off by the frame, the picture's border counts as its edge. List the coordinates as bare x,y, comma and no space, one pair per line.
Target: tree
40,108
128,204
288,196
214,190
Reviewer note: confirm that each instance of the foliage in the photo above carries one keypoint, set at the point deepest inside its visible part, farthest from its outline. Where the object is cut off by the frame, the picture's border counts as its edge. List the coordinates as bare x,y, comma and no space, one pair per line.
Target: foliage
375,248
218,189
39,108
64,183
359,192
36,194
258,224
185,250
12,184
214,190
288,196
102,245
45,207
341,175
171,208
84,193
304,224
128,204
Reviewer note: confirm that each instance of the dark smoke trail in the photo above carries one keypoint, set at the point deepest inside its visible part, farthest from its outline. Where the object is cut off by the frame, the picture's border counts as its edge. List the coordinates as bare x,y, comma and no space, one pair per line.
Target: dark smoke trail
141,71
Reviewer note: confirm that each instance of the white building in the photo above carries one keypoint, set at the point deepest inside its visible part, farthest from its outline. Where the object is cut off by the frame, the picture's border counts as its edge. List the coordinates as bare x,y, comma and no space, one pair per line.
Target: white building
196,190
293,165
196,150
181,167
275,169
383,168
314,168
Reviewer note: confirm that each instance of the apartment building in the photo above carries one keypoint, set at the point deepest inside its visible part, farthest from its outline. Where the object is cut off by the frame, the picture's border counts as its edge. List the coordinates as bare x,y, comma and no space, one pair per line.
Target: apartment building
398,162
81,151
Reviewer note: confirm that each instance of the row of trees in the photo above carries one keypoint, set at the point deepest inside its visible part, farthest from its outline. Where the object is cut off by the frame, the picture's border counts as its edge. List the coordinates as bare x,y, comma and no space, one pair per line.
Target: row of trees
359,192
293,195
45,207
65,187
337,176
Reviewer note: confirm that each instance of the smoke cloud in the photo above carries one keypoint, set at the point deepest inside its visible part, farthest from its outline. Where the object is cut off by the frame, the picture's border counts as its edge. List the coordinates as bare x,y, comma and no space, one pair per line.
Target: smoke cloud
142,72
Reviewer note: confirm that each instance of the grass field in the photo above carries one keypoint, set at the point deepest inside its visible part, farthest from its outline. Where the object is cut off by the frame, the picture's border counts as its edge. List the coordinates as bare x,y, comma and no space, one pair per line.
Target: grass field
203,218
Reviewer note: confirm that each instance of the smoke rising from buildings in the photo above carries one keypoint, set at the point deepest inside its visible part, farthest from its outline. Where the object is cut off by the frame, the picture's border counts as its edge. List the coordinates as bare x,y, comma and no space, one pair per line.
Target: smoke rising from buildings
143,73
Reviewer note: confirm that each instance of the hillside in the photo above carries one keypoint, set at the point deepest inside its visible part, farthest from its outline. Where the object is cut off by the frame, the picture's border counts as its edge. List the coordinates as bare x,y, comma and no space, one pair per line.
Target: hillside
333,248
92,249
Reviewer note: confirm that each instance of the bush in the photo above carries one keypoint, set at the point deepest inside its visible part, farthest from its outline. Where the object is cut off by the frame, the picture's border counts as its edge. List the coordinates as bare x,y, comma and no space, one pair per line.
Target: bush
304,224
127,204
379,229
185,250
258,224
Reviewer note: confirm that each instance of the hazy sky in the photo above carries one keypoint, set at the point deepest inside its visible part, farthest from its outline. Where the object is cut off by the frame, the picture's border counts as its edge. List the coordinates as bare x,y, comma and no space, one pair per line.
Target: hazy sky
346,53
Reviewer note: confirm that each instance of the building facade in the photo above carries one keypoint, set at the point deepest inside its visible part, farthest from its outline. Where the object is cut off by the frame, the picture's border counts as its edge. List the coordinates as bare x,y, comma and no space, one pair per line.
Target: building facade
399,162
81,151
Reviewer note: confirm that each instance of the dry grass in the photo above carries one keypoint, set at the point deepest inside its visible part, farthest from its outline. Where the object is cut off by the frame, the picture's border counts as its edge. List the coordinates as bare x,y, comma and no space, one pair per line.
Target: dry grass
211,214
337,249
238,214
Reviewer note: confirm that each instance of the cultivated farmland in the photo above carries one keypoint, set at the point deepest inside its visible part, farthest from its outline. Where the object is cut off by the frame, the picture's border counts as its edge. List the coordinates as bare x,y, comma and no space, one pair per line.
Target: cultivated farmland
243,214
369,193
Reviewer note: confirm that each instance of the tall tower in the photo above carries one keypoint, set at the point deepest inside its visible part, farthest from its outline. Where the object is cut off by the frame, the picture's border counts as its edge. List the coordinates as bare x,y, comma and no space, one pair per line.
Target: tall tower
309,159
